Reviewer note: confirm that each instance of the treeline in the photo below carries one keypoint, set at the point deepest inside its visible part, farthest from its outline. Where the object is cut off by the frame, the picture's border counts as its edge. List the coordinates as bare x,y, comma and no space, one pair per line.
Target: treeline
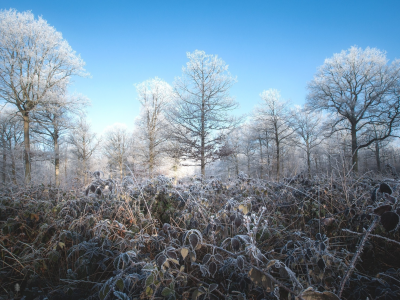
349,122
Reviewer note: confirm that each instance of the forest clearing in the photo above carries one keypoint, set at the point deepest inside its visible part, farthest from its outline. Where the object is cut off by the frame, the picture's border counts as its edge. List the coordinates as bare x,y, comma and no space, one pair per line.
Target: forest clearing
199,186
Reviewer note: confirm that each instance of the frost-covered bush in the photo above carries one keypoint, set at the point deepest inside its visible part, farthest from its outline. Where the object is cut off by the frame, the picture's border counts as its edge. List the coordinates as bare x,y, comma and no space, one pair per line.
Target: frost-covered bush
202,239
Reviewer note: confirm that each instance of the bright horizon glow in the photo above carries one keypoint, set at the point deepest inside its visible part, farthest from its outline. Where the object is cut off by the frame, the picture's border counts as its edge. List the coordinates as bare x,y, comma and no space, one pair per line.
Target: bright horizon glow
267,44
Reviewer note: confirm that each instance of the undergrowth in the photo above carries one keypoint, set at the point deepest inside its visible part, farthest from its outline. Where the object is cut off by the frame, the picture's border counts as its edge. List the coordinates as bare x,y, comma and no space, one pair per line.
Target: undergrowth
301,238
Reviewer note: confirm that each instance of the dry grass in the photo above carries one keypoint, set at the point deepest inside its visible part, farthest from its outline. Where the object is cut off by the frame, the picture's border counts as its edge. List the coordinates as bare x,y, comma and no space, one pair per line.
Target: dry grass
203,239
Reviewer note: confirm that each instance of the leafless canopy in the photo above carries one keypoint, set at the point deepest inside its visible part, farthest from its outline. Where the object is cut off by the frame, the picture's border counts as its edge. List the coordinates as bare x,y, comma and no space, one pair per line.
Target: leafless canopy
200,112
361,90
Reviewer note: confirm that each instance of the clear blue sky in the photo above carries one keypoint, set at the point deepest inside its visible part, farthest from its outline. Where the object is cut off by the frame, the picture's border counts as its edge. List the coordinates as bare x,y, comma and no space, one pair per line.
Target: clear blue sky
267,44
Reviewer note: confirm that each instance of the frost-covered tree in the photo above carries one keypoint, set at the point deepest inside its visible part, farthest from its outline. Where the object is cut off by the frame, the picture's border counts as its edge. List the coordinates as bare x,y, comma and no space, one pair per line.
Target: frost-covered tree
248,145
263,139
361,90
10,140
84,143
308,127
378,145
200,112
53,119
232,150
34,58
276,119
154,96
116,145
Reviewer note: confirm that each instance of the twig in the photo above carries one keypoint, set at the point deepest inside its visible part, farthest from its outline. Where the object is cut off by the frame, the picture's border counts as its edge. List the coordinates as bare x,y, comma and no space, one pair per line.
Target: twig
308,273
144,200
279,283
78,281
373,235
357,254
297,190
12,255
198,280
12,268
224,250
389,277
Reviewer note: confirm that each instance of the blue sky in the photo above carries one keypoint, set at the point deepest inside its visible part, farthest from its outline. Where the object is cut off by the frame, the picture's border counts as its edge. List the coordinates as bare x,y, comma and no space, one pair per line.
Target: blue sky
267,44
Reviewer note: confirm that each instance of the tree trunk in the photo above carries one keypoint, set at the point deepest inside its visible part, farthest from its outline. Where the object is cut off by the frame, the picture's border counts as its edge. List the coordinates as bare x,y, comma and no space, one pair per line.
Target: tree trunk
121,168
56,160
278,155
175,169
65,164
261,159
27,150
248,165
377,156
13,172
308,159
151,156
84,162
4,163
202,150
316,162
354,148
268,160
267,150
278,158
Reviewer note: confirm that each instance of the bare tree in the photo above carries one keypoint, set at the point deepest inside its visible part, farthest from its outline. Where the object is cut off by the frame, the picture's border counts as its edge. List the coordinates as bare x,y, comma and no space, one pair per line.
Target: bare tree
200,113
248,144
308,126
34,58
53,119
232,149
116,146
276,118
263,138
84,143
360,89
153,95
375,132
11,132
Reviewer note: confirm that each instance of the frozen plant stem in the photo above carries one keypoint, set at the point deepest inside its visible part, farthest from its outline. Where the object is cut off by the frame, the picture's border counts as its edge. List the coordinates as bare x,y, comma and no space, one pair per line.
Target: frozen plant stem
280,284
374,235
356,255
141,193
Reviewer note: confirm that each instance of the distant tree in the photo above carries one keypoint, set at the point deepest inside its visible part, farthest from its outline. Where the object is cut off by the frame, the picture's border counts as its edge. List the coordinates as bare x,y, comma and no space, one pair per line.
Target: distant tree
248,144
361,90
232,149
84,144
173,150
276,118
153,95
53,120
308,127
34,58
262,143
116,145
375,132
200,113
11,132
